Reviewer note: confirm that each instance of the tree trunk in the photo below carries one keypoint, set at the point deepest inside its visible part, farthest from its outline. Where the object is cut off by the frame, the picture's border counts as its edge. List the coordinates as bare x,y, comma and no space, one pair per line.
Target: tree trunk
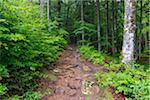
98,24
49,14
67,15
140,34
116,21
42,7
113,28
59,12
82,20
129,31
107,23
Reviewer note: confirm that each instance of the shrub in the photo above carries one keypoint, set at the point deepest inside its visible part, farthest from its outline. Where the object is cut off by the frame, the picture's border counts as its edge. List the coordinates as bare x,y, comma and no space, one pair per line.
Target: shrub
32,96
25,46
2,89
92,55
132,82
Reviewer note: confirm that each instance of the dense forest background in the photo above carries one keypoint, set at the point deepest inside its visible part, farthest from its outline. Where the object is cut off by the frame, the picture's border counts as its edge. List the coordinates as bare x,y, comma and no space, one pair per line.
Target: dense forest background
33,32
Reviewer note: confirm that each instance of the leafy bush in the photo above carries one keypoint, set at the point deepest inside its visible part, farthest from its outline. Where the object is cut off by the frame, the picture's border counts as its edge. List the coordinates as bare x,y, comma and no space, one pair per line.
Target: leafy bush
2,89
89,31
25,46
132,81
16,97
32,96
92,55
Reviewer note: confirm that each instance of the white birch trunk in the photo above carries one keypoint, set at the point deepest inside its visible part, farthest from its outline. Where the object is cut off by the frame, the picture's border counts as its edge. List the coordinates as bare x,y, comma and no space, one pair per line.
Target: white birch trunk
129,31
42,7
48,14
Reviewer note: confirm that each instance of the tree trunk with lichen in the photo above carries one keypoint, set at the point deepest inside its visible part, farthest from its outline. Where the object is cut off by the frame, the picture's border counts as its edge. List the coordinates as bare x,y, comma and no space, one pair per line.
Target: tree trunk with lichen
129,31
98,24
42,8
49,14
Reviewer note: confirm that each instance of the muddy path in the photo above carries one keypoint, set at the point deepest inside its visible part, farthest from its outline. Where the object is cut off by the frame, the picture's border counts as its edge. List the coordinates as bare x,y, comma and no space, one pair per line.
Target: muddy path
72,79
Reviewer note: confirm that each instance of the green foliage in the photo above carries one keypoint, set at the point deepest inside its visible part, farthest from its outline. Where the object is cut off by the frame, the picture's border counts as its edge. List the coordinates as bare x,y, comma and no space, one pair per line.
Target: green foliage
92,55
16,97
88,29
25,46
131,81
2,89
32,96
29,95
3,72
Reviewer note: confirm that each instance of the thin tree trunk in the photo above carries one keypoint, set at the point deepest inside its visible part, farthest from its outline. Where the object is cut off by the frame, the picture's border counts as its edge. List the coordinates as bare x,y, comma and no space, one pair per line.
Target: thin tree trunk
107,23
67,15
98,25
59,12
82,20
116,20
42,8
129,31
113,29
140,34
49,14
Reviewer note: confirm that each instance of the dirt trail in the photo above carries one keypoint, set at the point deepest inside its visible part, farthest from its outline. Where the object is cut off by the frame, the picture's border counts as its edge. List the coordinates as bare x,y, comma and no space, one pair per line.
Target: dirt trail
75,79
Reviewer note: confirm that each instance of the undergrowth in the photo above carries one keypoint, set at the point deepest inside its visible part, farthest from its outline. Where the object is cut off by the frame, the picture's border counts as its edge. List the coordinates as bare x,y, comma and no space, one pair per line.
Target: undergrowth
25,47
133,81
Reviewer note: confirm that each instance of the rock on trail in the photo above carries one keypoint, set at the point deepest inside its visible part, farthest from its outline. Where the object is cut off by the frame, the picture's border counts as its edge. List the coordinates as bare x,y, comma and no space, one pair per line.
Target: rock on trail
75,79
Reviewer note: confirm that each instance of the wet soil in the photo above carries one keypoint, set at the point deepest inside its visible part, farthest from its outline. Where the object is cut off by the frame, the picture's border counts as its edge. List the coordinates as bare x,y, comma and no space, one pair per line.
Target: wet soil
72,79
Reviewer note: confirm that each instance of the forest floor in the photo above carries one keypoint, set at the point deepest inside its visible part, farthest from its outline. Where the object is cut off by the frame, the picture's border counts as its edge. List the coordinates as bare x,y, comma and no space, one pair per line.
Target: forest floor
71,78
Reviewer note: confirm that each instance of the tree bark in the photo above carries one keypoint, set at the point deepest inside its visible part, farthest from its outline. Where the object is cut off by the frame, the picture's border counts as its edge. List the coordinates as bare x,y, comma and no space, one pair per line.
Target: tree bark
49,14
59,12
129,31
98,24
107,23
140,34
113,28
42,7
67,15
82,20
116,21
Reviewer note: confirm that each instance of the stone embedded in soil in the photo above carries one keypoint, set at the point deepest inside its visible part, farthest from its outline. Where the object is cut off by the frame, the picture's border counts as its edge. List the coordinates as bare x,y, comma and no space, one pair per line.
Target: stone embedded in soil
68,66
62,82
75,78
59,90
74,84
95,89
52,77
57,70
78,78
71,92
86,68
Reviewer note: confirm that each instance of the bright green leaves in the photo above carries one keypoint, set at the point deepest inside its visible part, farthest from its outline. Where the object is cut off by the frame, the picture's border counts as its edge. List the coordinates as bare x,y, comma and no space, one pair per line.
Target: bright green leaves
89,31
132,82
2,89
25,46
13,37
92,55
32,96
